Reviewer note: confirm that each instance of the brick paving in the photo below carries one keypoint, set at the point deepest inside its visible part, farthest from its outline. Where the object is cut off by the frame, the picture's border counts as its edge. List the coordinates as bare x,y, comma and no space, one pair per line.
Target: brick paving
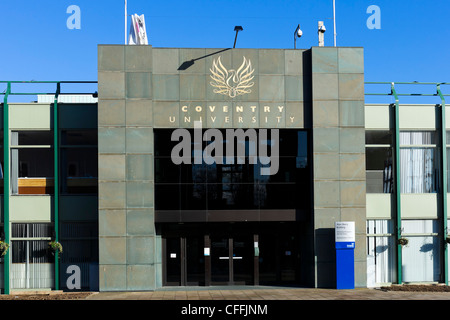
262,293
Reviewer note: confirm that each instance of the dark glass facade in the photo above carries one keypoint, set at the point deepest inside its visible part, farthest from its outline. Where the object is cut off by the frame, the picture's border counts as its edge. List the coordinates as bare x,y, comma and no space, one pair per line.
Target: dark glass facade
232,186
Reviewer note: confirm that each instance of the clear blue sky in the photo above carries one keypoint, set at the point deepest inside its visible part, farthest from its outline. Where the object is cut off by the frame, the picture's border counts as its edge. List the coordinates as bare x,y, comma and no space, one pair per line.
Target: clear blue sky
413,43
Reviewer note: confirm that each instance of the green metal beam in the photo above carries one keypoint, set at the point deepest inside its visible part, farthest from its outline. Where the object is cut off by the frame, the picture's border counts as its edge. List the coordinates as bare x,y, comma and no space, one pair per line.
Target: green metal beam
56,178
444,181
6,190
398,221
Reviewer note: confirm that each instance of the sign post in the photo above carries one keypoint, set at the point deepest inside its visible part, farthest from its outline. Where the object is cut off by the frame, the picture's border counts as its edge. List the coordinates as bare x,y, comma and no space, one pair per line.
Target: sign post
345,254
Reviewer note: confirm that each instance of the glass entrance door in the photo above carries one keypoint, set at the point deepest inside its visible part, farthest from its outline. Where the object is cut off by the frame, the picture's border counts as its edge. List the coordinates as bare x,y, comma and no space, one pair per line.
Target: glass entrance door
232,260
184,261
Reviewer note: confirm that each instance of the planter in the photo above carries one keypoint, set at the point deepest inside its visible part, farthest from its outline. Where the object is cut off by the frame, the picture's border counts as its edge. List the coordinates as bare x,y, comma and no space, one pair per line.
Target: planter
55,247
3,248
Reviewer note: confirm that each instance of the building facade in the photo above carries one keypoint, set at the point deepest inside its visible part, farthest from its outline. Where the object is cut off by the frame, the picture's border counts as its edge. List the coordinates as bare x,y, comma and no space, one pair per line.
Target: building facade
163,224
223,167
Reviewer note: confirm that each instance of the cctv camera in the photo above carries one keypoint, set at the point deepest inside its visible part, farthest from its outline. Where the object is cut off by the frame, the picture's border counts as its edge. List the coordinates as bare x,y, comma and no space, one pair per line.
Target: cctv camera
322,29
299,33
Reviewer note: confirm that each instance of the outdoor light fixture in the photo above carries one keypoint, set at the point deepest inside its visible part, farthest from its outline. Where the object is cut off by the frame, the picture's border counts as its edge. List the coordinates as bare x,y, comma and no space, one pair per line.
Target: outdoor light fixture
237,29
297,34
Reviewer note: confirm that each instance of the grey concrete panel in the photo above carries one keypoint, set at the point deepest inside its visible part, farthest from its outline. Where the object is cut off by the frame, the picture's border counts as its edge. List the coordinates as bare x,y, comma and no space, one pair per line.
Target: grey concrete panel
166,87
111,140
112,277
113,223
166,114
166,60
138,58
271,88
325,113
352,140
351,60
324,60
326,140
140,222
326,166
192,87
351,86
353,166
294,88
111,85
353,193
197,56
326,194
140,250
112,167
272,115
191,111
219,115
112,250
351,113
139,140
139,112
141,277
111,113
139,85
112,195
140,194
246,114
293,62
110,58
295,115
271,61
139,167
325,86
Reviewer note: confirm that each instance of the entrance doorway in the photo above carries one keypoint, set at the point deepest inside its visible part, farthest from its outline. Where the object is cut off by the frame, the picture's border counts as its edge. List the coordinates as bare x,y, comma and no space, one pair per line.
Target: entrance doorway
184,260
232,260
230,254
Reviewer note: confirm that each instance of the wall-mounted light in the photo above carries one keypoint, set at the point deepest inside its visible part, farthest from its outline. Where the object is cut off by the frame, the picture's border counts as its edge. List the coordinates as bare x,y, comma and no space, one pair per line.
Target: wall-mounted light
237,29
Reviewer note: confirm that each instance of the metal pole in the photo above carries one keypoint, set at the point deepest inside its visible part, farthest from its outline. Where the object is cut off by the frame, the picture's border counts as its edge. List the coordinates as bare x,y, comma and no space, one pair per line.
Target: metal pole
6,190
334,21
397,186
56,179
444,181
125,22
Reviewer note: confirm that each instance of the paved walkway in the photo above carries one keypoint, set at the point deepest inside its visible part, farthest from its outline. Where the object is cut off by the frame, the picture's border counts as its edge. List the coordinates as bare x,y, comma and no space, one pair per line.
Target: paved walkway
268,293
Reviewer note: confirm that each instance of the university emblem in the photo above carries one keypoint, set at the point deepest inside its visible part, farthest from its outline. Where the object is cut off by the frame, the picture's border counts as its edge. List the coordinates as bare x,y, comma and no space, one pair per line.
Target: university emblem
232,82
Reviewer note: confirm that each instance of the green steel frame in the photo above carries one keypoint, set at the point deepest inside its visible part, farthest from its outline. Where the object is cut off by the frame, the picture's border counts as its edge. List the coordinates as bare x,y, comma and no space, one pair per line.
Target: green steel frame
443,144
6,166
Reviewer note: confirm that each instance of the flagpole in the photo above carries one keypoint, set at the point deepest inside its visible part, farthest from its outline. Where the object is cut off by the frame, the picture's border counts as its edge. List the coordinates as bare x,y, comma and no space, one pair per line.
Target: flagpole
334,21
125,22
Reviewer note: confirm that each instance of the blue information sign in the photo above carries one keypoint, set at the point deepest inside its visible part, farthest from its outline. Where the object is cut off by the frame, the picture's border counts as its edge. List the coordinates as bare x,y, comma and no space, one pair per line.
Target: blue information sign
345,255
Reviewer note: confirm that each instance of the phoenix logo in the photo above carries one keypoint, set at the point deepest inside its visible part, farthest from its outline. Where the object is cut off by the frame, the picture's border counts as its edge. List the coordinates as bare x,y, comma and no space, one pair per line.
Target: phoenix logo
232,82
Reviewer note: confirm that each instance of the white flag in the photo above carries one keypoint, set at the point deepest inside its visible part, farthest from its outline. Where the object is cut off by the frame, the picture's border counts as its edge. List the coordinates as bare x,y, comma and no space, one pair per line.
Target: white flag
138,34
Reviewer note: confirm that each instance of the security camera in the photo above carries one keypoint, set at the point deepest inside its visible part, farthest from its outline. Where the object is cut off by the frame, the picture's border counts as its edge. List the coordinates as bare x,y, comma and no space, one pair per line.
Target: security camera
322,29
299,33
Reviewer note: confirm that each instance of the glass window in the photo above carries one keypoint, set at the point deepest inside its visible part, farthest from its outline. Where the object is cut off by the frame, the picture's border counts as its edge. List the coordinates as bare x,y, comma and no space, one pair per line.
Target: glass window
32,260
381,249
78,162
419,162
229,186
32,162
421,257
379,169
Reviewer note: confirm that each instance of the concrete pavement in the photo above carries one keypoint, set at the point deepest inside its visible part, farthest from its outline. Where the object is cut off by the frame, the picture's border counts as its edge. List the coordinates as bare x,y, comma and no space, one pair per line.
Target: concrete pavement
268,293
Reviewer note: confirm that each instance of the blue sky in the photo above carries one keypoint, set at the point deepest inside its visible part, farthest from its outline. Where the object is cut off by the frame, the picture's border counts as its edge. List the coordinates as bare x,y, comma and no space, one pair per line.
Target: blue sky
413,43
